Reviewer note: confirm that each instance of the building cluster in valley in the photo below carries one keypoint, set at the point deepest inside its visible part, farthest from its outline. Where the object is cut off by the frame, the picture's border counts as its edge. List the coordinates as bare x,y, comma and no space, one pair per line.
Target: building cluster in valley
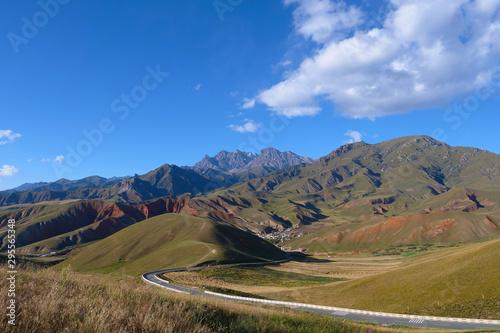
281,236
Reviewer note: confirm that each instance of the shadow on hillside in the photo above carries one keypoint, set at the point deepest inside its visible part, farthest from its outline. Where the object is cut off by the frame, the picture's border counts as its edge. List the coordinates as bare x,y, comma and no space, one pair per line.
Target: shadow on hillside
302,257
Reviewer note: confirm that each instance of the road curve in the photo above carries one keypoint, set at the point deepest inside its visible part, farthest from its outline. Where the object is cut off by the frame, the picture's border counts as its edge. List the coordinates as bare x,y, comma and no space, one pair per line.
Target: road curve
358,315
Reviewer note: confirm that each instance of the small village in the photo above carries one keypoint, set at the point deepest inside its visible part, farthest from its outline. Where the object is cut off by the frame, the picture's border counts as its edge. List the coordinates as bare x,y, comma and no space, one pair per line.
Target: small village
280,236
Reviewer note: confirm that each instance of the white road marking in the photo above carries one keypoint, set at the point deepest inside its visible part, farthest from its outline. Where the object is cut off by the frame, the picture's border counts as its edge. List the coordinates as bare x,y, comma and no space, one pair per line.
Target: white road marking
416,321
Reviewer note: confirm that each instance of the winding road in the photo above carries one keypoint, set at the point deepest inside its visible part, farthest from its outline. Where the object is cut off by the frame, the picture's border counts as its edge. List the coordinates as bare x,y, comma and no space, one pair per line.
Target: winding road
358,315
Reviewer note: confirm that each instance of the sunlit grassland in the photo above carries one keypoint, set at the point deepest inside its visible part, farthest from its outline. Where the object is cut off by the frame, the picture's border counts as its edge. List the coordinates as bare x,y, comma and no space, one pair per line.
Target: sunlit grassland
461,282
264,276
168,241
52,301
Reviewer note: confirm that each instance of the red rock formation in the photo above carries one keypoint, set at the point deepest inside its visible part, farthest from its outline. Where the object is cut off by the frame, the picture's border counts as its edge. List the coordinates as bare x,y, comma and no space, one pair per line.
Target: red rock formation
103,219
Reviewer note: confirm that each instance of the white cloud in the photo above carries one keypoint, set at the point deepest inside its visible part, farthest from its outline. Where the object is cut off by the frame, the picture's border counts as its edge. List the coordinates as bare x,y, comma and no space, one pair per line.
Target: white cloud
59,159
197,87
355,136
9,135
322,20
426,54
248,103
8,171
248,127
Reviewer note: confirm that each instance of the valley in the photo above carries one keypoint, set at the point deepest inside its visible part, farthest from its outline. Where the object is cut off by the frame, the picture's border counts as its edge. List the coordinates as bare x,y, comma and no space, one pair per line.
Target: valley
410,225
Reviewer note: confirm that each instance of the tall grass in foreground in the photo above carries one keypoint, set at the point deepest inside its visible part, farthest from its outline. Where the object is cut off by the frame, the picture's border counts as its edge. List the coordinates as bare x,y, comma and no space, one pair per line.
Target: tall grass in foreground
50,301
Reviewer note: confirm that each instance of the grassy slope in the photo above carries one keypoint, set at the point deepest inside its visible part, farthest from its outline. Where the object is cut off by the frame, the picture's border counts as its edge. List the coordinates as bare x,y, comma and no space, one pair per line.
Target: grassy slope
417,166
452,276
39,223
171,240
434,228
71,302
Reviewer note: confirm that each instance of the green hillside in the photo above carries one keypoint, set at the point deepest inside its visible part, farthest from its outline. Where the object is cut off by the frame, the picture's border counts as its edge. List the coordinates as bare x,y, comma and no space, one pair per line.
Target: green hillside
441,228
416,166
172,240
466,278
52,227
410,190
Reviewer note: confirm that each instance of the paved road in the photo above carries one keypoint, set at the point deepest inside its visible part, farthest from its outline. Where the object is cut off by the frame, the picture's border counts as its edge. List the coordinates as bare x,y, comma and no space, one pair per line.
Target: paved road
358,315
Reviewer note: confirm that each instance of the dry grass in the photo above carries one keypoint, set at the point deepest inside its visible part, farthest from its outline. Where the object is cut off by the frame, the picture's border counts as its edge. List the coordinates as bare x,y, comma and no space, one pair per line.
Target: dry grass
50,301
57,302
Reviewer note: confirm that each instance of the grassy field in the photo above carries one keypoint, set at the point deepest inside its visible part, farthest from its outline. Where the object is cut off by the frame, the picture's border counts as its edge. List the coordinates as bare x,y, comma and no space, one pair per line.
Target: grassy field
459,281
171,240
343,267
51,301
295,275
454,281
263,276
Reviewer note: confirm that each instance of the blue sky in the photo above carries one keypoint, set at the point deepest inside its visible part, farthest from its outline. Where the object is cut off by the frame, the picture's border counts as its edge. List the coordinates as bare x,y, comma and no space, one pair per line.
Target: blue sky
154,82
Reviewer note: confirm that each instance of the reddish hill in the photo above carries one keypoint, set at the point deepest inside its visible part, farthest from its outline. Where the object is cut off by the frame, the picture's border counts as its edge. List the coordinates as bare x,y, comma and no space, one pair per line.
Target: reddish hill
433,228
53,227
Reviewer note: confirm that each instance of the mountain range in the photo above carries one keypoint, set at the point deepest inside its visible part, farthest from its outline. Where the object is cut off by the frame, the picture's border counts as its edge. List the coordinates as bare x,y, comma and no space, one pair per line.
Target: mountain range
66,184
410,190
222,170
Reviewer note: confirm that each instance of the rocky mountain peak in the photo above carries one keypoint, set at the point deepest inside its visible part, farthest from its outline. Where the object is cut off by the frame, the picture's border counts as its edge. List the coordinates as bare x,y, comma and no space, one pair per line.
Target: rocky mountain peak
233,162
